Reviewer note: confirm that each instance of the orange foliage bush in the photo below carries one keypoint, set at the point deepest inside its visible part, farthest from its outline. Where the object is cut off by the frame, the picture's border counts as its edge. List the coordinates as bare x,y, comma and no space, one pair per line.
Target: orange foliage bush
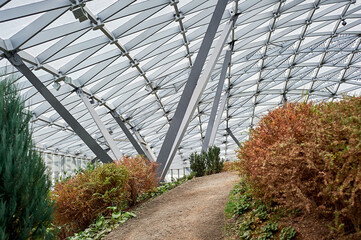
229,166
309,156
82,198
142,176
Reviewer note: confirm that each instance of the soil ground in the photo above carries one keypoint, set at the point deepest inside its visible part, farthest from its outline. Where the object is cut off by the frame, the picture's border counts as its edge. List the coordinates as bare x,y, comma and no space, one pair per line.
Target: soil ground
191,211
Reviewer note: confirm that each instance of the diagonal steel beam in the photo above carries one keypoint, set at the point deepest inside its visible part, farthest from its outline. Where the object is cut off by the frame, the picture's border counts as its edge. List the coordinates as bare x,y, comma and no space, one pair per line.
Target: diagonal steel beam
147,150
112,145
172,140
218,119
28,32
3,2
211,123
18,63
129,135
232,136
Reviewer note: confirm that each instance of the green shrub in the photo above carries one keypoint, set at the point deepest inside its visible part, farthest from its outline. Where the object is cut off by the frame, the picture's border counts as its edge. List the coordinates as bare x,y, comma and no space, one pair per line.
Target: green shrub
25,207
207,162
82,198
214,163
198,164
308,156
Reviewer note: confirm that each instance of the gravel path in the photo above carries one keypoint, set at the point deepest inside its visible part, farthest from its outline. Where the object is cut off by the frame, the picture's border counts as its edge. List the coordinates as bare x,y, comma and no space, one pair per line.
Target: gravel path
192,211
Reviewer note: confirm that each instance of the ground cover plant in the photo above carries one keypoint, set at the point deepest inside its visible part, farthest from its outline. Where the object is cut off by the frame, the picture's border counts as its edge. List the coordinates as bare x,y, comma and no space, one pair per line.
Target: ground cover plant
307,156
250,218
206,163
103,225
25,206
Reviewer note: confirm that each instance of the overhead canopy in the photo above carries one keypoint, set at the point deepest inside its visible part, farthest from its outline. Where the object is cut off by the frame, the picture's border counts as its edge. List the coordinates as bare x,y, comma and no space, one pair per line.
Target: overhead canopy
136,56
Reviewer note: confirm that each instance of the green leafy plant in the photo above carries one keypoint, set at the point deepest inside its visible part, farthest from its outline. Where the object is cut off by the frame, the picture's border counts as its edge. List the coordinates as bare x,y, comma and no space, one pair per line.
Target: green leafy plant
103,225
268,231
287,233
25,206
252,218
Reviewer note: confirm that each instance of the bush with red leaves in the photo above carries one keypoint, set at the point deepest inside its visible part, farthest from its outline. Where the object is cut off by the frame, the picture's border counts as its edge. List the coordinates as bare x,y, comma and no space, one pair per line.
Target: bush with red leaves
309,156
142,176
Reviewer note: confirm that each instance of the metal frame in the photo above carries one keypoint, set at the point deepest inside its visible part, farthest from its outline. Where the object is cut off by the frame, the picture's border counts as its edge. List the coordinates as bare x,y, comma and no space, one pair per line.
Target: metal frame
176,132
135,58
112,145
211,124
17,62
232,136
130,137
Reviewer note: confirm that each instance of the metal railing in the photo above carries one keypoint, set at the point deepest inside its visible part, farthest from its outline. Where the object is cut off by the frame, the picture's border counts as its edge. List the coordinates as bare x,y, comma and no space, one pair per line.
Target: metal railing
62,165
177,173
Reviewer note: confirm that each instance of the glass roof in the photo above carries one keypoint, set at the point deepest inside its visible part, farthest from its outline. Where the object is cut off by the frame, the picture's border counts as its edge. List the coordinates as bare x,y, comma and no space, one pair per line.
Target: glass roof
136,56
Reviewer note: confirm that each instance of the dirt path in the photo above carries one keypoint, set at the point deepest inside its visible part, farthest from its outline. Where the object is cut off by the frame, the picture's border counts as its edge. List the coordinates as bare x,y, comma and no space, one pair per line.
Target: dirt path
193,210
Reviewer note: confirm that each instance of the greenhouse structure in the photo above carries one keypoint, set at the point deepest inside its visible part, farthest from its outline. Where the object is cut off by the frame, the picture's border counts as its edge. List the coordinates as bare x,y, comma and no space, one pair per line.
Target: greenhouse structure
166,78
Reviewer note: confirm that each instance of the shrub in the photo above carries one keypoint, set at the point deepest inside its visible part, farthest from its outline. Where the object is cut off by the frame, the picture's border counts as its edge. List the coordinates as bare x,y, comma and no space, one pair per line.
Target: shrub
214,163
198,164
25,207
229,166
207,162
142,176
82,198
308,156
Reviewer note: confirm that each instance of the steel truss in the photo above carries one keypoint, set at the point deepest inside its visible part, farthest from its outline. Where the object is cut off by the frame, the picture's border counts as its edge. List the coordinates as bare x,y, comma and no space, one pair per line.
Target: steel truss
134,61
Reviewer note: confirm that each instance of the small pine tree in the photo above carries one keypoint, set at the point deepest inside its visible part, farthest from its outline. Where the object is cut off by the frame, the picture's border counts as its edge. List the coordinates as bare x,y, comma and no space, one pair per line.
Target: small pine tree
216,164
198,164
25,205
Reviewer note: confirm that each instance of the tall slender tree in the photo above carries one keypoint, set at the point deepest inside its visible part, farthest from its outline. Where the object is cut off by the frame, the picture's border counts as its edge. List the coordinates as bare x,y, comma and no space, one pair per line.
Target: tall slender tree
25,205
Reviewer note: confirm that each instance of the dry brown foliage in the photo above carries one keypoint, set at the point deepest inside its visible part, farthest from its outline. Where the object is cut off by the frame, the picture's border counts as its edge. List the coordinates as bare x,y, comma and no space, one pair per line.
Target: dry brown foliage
309,156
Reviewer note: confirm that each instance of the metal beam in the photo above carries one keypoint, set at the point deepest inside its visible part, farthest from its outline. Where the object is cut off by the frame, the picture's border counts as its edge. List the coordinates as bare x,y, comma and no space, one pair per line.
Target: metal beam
96,158
18,63
218,119
112,145
232,136
129,135
3,2
198,91
211,123
147,150
167,152
28,32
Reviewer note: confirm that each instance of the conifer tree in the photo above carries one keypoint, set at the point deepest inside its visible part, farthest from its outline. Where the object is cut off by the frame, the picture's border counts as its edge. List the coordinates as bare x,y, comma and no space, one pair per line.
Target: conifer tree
25,205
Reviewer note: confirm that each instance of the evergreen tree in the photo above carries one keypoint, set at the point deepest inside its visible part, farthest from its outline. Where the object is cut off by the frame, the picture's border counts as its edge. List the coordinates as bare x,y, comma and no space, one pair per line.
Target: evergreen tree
198,164
25,205
217,163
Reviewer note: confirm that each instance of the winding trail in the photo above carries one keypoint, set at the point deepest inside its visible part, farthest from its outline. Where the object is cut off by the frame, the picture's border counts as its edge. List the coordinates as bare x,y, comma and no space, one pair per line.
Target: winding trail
191,211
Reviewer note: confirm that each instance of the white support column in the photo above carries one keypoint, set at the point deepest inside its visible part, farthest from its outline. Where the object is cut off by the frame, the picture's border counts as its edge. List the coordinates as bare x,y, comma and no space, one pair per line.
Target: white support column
100,124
